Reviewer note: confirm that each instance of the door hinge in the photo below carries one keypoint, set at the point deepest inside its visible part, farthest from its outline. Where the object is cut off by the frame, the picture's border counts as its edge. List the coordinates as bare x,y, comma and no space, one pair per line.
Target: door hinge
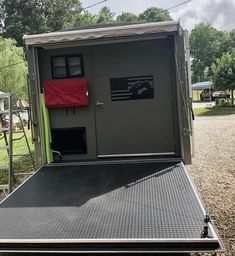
187,132
35,140
32,76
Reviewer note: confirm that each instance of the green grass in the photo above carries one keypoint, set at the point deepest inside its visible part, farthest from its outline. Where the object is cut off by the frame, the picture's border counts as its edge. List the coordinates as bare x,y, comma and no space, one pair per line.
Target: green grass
20,163
213,111
196,95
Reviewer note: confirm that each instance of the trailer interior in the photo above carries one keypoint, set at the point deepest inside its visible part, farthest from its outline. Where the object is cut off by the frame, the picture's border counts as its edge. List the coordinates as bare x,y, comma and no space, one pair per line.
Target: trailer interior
112,129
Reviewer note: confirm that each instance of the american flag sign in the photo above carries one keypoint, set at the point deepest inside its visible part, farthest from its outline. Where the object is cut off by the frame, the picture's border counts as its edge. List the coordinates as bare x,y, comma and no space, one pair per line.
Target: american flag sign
132,88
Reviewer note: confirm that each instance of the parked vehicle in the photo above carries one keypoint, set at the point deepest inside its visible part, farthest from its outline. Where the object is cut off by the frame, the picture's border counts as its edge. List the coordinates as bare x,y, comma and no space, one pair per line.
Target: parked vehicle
112,175
208,94
220,94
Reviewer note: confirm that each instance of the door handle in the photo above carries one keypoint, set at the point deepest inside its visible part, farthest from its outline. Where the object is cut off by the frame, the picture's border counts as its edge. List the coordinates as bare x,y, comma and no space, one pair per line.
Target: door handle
98,104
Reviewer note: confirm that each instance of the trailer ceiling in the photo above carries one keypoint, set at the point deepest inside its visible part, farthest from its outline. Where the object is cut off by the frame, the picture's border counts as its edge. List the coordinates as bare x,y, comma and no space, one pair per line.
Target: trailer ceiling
91,34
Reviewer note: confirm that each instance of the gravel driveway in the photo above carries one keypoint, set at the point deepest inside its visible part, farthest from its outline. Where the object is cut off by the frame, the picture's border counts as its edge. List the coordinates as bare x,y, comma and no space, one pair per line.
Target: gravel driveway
213,172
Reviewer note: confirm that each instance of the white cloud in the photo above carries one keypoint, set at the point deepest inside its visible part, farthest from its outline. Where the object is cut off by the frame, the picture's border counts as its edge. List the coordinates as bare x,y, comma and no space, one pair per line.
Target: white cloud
219,13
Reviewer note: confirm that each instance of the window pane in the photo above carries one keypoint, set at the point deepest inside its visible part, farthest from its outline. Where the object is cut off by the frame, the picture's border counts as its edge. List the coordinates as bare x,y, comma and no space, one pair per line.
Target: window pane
74,65
75,71
74,61
59,67
59,72
59,62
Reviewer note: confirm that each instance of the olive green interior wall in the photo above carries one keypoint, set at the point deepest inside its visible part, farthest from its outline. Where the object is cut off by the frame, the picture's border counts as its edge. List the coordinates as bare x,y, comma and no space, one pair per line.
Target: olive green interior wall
79,117
134,126
98,69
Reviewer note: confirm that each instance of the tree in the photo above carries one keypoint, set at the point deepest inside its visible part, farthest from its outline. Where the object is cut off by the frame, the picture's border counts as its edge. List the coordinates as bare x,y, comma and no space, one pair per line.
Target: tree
60,13
154,14
37,16
205,46
127,17
224,73
227,40
23,17
232,37
13,70
2,14
82,19
105,15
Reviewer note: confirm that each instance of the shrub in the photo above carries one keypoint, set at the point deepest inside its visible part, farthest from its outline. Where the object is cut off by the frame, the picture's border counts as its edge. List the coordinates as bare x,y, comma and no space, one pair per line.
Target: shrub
223,102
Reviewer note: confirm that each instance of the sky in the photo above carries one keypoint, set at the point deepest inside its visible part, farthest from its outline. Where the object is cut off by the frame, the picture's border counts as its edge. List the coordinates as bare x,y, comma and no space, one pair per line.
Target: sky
220,13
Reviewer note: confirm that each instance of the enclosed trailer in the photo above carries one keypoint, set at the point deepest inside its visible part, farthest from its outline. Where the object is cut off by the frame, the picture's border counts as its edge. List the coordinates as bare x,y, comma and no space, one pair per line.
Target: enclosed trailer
111,136
135,106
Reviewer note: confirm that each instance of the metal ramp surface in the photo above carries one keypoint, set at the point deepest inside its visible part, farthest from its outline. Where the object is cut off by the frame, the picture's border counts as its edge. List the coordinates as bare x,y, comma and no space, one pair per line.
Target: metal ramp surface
106,207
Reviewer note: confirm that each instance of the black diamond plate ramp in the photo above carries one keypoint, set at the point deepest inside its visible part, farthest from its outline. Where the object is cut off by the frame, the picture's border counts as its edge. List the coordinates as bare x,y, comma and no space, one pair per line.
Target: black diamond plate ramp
142,207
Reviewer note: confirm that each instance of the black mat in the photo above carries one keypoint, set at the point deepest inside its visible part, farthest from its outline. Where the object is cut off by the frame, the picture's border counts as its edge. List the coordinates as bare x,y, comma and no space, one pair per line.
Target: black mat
115,201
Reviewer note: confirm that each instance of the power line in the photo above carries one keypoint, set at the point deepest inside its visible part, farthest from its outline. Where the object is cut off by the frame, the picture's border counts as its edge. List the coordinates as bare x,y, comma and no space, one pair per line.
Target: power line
14,64
100,2
178,5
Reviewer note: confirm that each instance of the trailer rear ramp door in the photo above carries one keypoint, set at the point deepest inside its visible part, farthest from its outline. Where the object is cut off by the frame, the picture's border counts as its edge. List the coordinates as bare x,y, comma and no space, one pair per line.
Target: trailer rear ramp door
107,207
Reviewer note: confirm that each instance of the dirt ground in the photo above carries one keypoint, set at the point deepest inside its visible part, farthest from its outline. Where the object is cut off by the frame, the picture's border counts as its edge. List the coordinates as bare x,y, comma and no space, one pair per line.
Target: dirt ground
213,173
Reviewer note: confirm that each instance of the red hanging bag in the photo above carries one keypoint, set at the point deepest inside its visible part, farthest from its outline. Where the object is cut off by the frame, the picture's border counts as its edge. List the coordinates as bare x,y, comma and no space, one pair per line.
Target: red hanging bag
66,93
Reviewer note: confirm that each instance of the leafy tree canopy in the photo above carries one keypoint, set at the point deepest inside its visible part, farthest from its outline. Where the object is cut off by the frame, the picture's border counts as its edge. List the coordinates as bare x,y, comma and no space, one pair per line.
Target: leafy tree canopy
154,14
13,70
83,18
205,46
2,14
231,40
224,71
105,15
232,37
37,16
126,17
60,13
40,16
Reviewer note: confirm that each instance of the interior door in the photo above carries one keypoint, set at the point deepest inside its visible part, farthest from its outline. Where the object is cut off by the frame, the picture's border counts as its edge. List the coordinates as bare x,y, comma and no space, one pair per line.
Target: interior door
134,112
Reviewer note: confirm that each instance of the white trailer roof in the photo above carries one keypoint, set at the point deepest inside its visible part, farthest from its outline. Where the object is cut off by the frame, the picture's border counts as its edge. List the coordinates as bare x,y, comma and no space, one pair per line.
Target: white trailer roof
102,33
